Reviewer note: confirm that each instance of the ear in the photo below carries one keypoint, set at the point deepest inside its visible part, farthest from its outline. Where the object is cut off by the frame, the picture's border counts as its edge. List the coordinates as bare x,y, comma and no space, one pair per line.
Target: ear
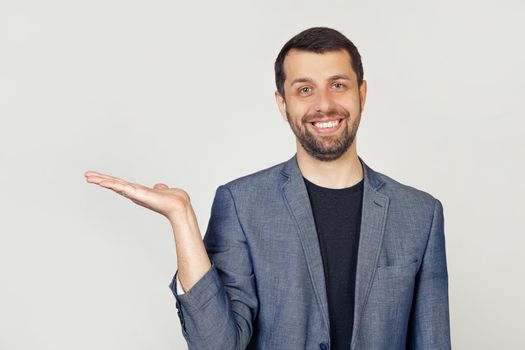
362,94
281,103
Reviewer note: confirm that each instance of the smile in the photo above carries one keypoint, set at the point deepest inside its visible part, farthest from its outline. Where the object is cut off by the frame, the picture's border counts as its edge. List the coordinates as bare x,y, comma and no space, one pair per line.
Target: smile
327,127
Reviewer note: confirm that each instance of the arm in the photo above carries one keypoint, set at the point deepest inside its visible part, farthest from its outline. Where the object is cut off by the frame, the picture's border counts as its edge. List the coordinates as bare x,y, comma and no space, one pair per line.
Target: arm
218,311
429,325
174,204
215,312
192,259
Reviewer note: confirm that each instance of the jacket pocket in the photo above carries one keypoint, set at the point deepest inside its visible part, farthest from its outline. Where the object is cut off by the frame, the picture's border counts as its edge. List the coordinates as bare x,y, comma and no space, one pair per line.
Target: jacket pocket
398,271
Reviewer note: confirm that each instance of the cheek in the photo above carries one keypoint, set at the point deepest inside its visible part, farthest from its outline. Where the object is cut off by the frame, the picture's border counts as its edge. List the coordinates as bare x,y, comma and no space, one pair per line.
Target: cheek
299,110
351,103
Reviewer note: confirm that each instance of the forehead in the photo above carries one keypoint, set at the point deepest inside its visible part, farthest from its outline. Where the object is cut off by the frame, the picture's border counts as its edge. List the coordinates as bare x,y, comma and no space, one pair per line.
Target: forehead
299,64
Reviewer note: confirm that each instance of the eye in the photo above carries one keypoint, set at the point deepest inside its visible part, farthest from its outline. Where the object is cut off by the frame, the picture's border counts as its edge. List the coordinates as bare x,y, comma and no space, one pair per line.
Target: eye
338,85
305,90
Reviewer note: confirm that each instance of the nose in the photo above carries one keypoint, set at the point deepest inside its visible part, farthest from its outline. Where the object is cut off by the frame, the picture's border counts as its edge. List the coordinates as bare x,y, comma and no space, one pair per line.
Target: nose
323,102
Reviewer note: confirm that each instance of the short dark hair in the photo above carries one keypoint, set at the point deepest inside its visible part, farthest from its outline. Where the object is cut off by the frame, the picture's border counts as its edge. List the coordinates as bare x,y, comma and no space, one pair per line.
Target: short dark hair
318,40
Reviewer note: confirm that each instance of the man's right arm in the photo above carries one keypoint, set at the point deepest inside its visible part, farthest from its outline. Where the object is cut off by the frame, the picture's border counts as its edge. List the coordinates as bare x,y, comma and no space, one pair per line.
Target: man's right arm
215,313
192,259
219,307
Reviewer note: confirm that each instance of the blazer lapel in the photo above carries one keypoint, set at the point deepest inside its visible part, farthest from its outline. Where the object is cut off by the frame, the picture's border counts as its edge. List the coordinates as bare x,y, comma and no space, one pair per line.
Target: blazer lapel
296,197
373,218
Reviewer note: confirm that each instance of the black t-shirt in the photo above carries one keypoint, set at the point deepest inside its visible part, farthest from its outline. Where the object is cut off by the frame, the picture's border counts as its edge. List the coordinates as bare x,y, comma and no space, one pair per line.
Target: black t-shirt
337,214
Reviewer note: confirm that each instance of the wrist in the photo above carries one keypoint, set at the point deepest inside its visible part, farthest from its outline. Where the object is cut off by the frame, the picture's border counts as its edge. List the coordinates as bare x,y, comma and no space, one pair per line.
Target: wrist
182,219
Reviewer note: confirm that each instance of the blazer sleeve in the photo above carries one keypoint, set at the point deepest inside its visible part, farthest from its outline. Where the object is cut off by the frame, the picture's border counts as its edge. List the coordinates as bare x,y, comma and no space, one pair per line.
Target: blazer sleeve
218,311
429,325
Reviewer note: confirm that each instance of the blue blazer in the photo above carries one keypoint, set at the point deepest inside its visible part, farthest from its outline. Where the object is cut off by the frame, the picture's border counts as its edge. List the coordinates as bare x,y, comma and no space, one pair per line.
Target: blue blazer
266,286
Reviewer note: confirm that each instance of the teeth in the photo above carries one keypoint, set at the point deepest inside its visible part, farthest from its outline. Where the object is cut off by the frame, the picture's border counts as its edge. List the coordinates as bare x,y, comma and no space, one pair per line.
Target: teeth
327,124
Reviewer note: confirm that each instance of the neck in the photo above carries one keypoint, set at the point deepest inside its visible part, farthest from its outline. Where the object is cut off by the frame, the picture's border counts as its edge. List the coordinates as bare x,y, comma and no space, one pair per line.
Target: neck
343,172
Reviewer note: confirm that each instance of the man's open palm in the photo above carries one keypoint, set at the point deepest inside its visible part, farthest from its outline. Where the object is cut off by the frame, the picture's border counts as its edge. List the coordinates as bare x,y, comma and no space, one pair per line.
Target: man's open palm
162,199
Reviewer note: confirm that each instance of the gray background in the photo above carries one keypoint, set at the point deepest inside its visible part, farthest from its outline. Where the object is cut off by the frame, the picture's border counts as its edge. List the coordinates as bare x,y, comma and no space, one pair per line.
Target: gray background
183,93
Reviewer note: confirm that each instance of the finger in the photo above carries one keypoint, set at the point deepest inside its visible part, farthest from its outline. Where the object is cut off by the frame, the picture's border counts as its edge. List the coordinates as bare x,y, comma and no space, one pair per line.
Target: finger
124,189
136,201
92,172
160,186
105,176
98,178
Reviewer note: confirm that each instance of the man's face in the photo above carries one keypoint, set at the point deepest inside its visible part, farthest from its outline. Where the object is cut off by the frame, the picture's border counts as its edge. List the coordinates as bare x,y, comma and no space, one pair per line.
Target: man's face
322,101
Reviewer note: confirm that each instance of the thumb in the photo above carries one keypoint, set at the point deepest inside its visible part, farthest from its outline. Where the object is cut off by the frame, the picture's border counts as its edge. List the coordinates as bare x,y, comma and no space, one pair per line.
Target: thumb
160,186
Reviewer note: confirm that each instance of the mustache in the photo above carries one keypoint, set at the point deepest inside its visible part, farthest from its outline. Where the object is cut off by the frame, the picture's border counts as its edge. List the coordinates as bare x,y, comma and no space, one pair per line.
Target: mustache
331,113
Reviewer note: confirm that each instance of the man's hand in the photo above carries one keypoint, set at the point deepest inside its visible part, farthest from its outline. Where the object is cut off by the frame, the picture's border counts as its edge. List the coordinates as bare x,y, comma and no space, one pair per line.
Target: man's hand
162,199
174,204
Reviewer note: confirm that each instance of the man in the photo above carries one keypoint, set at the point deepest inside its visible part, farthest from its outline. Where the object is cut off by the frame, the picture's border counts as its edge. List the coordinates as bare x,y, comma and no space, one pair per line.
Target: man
317,252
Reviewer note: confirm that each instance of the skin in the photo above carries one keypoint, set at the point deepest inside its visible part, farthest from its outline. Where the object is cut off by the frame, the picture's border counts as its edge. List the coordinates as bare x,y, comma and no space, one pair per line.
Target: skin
331,163
175,204
322,86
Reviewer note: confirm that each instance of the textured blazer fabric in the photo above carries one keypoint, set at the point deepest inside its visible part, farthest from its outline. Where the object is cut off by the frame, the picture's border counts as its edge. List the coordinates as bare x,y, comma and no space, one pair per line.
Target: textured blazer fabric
266,286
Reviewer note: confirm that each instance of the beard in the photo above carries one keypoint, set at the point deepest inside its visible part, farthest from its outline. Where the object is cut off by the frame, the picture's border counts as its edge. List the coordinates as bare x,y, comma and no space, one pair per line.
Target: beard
326,148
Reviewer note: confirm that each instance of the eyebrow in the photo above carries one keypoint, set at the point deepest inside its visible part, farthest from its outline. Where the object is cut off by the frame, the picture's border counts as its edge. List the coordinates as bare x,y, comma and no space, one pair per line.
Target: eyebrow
310,80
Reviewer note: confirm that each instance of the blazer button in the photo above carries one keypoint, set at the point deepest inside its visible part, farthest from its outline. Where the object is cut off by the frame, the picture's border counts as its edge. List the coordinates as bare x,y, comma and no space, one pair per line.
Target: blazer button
323,346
